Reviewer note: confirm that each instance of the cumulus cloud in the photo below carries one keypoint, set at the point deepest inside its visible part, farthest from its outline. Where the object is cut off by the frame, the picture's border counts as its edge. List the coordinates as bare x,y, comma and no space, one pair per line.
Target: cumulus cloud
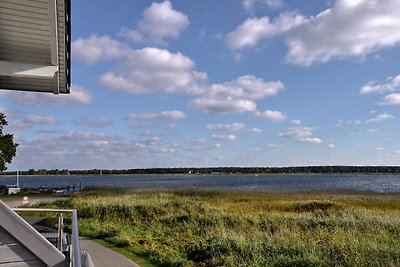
150,70
254,130
145,70
226,127
347,29
36,119
31,120
236,96
311,140
153,140
391,99
253,30
94,49
155,70
274,116
298,132
223,137
94,123
169,150
380,117
79,96
160,21
331,145
223,106
342,123
81,150
247,87
372,87
165,115
199,141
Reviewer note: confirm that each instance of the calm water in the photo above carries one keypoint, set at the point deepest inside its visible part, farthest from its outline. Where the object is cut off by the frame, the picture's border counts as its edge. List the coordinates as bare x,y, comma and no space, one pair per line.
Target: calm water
287,182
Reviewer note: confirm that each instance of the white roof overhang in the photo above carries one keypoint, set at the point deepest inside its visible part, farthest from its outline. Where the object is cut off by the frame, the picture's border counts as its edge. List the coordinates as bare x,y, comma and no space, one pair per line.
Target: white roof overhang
35,45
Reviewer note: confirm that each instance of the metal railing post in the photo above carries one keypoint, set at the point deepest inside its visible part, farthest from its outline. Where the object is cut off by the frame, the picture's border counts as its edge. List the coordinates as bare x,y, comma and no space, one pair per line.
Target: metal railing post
76,252
75,240
60,231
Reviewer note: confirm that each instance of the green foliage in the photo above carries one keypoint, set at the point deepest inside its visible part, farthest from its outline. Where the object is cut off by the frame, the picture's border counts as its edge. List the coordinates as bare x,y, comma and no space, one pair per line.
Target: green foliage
8,148
210,228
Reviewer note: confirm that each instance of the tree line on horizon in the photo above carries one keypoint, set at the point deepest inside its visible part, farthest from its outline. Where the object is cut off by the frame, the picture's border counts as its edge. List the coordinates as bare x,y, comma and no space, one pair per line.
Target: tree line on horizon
216,170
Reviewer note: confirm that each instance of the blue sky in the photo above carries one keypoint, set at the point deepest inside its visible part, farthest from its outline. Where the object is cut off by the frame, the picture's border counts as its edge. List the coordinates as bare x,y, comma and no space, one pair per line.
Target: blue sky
219,83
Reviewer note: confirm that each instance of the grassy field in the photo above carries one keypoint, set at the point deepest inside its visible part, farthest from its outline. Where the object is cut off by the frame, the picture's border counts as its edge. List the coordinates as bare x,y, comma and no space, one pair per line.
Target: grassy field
209,228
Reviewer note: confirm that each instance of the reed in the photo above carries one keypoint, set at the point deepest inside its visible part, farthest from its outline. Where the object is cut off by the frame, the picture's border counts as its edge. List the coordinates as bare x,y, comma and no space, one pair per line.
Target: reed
211,228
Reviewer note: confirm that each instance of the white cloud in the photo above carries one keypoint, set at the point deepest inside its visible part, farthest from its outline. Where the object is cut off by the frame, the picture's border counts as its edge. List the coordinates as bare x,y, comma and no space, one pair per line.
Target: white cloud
373,130
331,145
347,29
275,4
95,49
379,149
151,70
226,127
153,140
380,117
169,150
274,116
29,121
154,70
79,95
217,146
250,5
341,123
253,30
254,130
236,96
146,70
94,123
298,132
36,119
247,87
165,115
223,106
222,137
199,141
159,22
274,146
311,140
391,99
295,122
372,87
82,150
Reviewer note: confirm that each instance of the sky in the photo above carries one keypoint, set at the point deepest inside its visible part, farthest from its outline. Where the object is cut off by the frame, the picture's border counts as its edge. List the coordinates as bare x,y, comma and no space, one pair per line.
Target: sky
219,83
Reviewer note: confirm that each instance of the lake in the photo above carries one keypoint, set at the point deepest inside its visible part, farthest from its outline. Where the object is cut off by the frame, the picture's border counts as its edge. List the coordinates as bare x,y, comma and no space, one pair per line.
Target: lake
248,182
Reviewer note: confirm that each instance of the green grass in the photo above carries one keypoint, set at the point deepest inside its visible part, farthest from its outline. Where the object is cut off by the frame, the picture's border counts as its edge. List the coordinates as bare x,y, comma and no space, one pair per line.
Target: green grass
211,228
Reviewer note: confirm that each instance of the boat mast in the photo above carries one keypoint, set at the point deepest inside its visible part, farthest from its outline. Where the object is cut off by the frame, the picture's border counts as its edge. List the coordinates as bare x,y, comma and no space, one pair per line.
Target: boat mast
17,174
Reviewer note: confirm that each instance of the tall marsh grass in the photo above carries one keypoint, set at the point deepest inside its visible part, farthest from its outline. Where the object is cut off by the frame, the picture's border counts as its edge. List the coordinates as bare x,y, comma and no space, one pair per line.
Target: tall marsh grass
210,228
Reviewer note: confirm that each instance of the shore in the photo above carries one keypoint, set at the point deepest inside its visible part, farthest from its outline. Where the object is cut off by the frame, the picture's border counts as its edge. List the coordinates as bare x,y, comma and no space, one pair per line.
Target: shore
225,228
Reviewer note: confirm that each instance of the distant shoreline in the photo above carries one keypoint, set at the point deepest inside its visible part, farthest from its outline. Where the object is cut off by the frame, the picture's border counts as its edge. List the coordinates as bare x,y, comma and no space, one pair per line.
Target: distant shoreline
215,171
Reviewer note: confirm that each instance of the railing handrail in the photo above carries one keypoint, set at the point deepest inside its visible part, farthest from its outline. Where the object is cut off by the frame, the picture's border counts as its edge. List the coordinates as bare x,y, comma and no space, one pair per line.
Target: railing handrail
76,254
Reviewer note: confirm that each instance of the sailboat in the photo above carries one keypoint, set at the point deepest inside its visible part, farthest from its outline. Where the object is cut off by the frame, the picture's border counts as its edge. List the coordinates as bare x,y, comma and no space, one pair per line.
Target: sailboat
13,189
